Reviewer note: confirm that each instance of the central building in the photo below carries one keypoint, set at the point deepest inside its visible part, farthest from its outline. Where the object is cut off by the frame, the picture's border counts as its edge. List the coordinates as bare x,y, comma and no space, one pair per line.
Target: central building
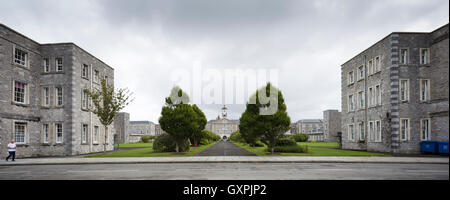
223,126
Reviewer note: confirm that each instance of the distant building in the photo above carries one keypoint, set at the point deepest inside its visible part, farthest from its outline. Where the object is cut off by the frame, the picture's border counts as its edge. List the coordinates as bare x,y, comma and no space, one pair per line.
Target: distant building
311,127
122,126
222,125
139,129
158,130
395,93
331,125
43,106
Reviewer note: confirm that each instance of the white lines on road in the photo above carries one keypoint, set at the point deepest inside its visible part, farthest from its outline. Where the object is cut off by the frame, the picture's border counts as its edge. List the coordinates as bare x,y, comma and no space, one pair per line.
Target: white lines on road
101,171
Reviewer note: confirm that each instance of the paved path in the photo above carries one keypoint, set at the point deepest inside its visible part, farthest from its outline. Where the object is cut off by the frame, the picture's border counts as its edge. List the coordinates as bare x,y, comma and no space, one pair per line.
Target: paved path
224,148
228,171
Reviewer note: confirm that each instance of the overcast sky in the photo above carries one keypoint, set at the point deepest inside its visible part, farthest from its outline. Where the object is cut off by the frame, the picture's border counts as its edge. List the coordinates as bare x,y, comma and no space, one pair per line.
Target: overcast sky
145,41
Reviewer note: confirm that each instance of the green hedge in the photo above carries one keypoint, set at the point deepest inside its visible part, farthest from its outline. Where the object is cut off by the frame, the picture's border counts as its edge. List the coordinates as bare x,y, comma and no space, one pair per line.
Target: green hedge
285,142
300,137
165,143
290,149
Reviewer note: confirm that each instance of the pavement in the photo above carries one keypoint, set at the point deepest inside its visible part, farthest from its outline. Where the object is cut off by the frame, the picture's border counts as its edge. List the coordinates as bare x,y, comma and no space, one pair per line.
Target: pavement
225,159
224,148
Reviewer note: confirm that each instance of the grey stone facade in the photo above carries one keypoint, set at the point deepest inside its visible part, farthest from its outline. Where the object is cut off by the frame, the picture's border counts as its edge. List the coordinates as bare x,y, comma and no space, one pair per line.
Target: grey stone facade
331,125
49,117
312,127
122,127
393,103
223,126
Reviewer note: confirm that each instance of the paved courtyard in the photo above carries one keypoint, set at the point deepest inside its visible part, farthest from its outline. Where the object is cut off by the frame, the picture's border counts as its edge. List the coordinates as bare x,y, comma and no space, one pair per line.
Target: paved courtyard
225,148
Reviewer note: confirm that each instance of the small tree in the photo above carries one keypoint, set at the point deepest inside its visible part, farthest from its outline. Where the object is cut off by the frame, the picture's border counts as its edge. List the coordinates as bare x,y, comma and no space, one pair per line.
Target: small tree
201,121
107,102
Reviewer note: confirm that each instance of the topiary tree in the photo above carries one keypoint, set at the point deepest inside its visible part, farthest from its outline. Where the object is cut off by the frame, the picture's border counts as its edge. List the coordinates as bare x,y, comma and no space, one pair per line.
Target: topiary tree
197,135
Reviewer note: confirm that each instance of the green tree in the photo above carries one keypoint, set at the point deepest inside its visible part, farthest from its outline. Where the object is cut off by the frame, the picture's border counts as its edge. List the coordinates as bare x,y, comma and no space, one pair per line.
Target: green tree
107,102
265,117
197,135
178,118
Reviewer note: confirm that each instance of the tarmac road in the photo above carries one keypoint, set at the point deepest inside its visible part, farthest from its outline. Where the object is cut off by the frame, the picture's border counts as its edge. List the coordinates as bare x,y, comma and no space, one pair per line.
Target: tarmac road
225,148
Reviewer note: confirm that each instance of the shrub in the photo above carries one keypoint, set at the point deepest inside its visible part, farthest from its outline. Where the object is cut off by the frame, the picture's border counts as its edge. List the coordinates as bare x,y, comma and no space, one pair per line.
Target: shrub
204,141
258,144
285,142
313,141
236,137
290,149
145,139
165,143
300,137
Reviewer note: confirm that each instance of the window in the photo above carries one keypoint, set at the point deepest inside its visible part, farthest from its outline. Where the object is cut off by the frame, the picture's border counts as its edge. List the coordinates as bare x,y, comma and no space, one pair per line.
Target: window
371,95
84,100
378,131
351,77
84,133
370,66
351,132
20,130
377,95
20,57
96,75
425,129
424,90
362,100
424,56
377,64
46,65
85,71
351,103
59,64
361,73
361,131
45,132
59,96
59,132
95,135
404,129
20,92
404,56
371,131
404,89
45,96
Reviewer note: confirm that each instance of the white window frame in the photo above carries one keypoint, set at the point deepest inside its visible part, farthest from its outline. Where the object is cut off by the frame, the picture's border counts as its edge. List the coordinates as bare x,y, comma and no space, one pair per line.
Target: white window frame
371,130
25,92
407,131
96,135
45,96
427,92
96,76
428,134
20,62
57,96
46,63
351,132
404,59
85,71
361,133
351,77
351,102
404,89
370,67
24,132
377,94
56,133
377,63
45,133
361,100
370,95
427,56
361,70
57,64
378,131
84,100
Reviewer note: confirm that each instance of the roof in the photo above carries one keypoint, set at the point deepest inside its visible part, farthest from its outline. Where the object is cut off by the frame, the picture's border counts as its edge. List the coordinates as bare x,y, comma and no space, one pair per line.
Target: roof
232,120
141,122
310,121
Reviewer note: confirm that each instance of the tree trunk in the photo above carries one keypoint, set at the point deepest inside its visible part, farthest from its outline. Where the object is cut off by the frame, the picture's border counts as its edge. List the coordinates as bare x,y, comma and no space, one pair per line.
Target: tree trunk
104,144
176,147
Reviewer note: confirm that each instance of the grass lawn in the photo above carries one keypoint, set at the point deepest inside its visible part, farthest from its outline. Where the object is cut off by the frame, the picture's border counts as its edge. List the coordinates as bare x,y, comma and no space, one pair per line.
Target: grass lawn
260,151
134,145
148,152
319,144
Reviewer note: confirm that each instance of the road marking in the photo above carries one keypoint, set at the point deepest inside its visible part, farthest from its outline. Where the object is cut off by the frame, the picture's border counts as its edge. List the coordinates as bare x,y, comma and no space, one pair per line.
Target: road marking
104,171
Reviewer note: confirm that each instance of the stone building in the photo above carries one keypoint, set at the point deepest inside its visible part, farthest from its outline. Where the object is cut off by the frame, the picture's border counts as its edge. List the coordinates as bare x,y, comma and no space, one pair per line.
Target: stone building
139,129
312,127
222,125
158,130
122,127
42,104
395,93
331,125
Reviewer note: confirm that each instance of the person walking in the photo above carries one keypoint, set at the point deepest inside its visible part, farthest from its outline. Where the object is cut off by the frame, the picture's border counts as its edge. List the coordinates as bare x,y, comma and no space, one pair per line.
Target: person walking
11,150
